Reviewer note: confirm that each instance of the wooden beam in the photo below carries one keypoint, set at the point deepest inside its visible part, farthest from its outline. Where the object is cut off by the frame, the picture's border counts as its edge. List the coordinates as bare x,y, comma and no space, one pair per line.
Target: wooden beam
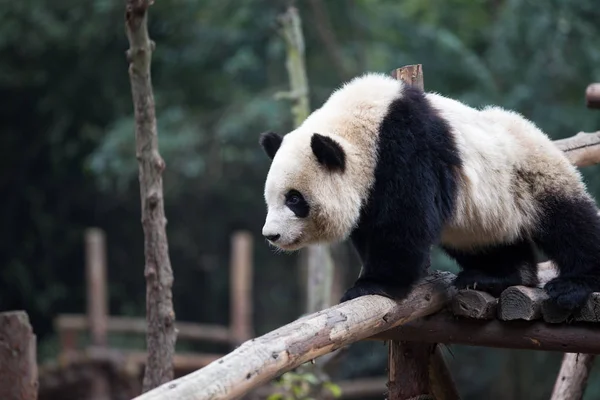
117,324
18,362
259,360
572,377
445,328
241,287
406,356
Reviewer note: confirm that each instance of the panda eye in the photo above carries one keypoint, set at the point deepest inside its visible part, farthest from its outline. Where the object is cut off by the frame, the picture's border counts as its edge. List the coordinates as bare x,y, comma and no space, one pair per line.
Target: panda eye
296,202
293,200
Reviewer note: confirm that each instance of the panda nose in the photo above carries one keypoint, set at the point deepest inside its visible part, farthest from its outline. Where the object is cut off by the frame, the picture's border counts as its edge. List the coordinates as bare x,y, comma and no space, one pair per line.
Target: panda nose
273,238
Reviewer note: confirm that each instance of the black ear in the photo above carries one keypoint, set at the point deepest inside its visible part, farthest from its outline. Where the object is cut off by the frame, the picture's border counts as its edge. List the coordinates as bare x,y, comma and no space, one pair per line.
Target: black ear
328,152
270,142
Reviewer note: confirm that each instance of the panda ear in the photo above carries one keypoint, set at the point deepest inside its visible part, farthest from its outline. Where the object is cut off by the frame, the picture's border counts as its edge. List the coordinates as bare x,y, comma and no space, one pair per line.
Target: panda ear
270,142
328,152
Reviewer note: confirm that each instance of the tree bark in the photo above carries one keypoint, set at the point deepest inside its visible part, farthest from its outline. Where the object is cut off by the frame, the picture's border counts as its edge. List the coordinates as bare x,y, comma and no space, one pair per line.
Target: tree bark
408,371
159,275
445,328
259,360
18,365
572,377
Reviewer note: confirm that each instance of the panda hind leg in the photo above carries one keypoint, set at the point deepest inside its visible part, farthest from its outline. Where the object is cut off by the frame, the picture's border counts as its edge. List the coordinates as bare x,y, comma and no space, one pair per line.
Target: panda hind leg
494,268
569,234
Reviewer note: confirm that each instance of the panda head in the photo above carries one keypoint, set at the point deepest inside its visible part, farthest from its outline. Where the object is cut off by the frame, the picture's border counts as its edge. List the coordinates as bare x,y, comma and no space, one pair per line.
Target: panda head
309,195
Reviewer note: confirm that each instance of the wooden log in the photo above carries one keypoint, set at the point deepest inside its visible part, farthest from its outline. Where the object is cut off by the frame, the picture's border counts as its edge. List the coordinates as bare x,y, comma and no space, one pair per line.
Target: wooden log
442,385
408,371
185,330
521,302
261,359
572,377
474,304
592,95
583,149
591,311
161,336
95,273
553,314
18,363
445,328
241,287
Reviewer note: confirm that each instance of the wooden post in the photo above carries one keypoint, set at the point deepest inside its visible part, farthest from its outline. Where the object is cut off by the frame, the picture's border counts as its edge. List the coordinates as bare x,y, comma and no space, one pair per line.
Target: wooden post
241,286
95,274
97,303
18,365
572,377
408,373
416,356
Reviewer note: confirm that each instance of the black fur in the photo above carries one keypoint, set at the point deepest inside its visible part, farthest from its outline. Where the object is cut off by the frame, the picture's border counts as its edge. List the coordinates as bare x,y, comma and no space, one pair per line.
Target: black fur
270,142
569,234
494,268
297,203
328,152
413,195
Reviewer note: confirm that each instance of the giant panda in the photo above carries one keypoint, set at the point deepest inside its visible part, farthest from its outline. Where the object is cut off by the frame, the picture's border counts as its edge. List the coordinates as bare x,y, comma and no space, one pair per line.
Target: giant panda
397,170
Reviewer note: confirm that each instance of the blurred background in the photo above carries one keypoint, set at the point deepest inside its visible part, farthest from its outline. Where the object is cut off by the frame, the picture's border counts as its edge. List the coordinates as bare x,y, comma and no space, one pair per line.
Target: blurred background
68,152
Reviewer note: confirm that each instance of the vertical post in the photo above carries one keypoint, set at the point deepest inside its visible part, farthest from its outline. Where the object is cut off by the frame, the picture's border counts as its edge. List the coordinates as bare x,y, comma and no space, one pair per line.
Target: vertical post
97,303
408,372
241,286
95,274
18,365
417,369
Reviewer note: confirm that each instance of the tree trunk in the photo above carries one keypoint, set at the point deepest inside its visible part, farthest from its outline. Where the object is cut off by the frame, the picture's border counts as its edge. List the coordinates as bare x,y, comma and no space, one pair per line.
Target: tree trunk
159,275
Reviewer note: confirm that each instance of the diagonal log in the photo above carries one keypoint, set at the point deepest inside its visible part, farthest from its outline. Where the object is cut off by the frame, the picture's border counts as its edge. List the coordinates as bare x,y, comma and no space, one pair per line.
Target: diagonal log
259,360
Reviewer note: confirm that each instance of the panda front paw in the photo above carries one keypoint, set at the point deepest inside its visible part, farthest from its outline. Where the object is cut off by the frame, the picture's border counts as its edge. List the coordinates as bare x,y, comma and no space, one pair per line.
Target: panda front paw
368,287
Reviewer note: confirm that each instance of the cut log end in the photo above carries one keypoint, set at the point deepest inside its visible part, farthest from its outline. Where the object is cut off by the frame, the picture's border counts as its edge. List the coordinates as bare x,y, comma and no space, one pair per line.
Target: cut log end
521,302
474,304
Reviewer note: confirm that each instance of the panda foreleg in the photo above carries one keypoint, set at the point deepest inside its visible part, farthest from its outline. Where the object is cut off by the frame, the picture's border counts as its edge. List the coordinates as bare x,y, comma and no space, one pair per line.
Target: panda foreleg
569,234
494,268
390,268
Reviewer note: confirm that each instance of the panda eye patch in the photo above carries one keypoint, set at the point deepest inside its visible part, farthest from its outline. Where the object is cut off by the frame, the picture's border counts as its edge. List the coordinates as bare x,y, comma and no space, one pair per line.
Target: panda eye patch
296,202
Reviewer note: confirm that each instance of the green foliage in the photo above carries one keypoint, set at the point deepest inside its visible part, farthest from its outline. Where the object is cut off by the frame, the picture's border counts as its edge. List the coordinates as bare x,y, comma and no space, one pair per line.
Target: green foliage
303,386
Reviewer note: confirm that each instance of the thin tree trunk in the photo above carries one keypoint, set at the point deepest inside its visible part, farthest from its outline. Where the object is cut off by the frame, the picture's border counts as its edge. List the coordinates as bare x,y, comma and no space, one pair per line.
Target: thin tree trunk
160,316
